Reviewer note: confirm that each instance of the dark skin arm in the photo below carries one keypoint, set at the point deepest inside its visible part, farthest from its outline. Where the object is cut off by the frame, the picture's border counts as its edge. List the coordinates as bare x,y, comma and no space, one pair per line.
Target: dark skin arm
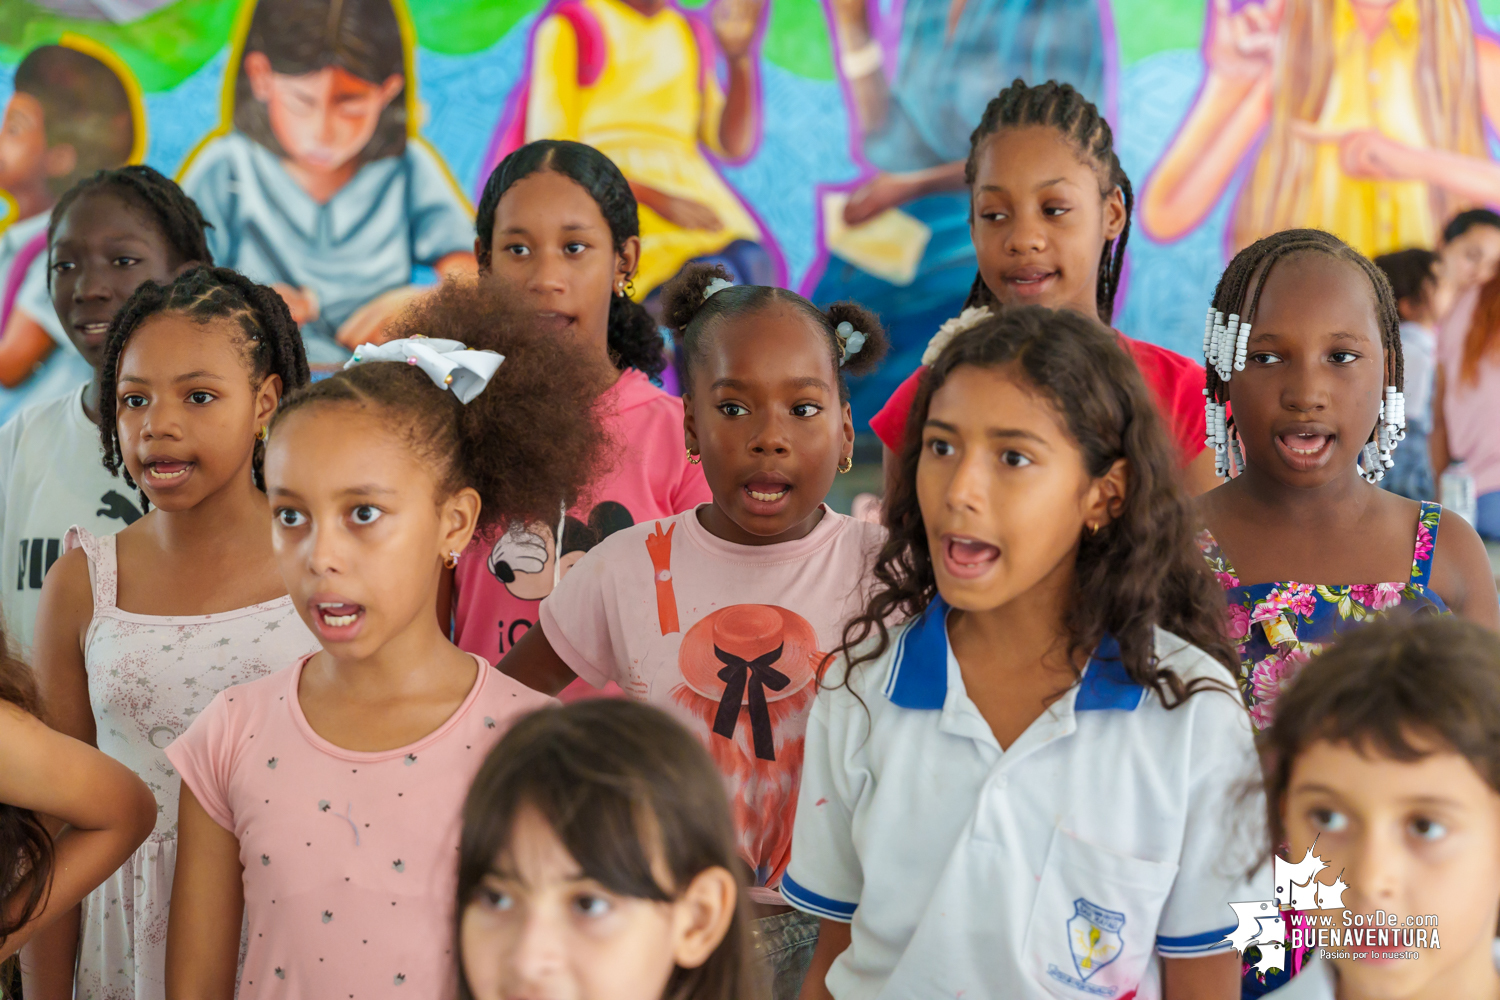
833,941
1461,573
534,662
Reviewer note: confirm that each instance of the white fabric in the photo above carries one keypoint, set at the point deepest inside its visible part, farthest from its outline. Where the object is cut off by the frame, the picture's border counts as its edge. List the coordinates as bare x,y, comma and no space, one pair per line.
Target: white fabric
149,677
965,870
966,320
1316,980
1419,361
50,478
450,364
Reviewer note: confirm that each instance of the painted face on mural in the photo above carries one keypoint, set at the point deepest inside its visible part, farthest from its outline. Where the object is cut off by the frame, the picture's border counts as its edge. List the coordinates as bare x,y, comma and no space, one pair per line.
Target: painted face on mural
1038,221
1310,393
23,143
554,246
323,120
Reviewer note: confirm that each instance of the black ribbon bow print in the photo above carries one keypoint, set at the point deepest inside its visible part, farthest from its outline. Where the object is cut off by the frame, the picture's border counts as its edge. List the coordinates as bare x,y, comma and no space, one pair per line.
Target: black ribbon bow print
759,674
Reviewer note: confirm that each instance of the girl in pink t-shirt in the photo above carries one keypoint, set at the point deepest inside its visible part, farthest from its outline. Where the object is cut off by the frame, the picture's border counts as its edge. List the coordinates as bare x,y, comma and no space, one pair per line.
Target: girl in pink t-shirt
324,799
722,614
557,227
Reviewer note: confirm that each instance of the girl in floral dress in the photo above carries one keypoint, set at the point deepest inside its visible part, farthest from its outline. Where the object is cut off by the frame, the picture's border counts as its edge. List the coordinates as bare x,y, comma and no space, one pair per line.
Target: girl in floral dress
1314,389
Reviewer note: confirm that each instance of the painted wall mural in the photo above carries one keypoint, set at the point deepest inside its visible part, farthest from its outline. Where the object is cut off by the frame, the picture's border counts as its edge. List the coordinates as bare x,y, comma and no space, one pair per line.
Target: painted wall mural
337,145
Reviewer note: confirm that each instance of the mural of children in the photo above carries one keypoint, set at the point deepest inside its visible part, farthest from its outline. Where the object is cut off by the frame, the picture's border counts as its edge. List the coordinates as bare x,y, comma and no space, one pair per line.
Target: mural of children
76,109
316,182
636,80
1365,118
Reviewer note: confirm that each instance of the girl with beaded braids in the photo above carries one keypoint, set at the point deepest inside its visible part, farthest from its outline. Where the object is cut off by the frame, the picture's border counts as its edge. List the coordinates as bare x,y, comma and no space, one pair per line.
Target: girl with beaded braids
557,227
1304,348
139,630
722,614
322,803
1049,216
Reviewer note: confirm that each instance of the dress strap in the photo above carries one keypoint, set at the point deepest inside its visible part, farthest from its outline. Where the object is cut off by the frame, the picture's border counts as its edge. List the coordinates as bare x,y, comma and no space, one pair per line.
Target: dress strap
1217,560
1427,530
104,571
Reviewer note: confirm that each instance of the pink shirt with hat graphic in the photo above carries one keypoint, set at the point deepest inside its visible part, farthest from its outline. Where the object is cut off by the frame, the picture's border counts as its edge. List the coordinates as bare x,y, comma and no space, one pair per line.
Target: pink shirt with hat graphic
706,629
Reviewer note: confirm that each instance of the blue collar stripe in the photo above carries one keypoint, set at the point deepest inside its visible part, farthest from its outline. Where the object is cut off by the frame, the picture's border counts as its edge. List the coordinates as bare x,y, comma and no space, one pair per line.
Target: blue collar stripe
919,669
809,901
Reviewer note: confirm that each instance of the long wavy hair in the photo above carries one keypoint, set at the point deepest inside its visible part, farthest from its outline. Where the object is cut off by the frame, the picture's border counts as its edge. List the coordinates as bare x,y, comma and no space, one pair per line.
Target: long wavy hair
1447,85
25,846
1140,571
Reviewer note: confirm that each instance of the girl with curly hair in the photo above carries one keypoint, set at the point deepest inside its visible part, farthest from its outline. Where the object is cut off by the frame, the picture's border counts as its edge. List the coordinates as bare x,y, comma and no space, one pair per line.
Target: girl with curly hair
557,227
1047,743
323,801
137,631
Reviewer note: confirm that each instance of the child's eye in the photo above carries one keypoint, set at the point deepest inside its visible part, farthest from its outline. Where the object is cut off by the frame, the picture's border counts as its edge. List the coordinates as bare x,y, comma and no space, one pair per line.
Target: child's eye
125,261
62,265
517,250
591,905
200,397
993,216
134,401
1265,358
733,410
806,410
940,447
366,514
1055,210
289,517
1014,459
1330,820
495,899
1427,829
1343,357
575,247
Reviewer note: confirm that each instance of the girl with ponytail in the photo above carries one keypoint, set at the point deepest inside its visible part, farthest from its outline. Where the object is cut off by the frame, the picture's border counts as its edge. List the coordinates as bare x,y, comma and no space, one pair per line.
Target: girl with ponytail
557,228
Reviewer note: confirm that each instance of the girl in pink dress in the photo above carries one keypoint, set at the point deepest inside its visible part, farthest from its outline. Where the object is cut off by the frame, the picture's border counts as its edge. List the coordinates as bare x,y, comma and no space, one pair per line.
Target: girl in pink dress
323,800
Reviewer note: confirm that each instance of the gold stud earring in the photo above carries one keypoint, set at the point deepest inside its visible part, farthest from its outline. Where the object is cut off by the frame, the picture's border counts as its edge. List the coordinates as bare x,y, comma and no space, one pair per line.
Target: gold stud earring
847,463
451,560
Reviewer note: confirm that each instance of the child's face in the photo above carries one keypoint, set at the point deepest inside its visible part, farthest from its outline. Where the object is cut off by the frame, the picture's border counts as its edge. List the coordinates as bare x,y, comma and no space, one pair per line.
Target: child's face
539,929
23,144
553,246
323,120
186,412
1413,838
1004,493
360,527
1472,257
103,250
765,415
1315,372
1038,222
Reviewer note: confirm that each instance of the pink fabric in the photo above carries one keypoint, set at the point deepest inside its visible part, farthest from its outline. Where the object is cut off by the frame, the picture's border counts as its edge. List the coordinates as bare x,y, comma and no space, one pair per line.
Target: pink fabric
668,611
349,857
652,479
1470,409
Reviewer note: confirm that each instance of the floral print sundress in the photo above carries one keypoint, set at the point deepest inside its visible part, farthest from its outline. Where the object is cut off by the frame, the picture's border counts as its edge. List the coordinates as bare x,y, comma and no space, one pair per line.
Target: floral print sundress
1278,627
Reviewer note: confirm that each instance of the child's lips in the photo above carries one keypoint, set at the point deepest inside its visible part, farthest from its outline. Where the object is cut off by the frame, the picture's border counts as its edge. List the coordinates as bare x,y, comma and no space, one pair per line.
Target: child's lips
1305,450
766,496
165,474
1030,280
93,334
337,621
968,558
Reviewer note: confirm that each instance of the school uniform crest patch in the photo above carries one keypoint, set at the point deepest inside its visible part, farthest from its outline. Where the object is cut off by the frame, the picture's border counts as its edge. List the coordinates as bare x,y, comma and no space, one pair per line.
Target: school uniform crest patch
1094,937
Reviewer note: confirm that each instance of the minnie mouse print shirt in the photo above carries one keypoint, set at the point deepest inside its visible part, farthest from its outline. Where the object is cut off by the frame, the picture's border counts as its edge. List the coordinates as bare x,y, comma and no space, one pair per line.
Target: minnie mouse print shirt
729,638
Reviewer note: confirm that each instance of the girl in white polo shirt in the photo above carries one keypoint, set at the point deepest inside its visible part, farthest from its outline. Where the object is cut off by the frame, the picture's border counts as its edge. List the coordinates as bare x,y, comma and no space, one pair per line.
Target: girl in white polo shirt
1037,785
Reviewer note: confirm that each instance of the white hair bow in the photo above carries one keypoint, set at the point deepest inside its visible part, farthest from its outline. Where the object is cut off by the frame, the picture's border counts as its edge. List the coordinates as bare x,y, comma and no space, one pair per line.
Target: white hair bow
716,286
449,363
963,322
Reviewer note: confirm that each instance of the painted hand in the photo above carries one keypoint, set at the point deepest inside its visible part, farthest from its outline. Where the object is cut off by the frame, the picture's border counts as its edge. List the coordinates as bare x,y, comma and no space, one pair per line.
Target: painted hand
301,302
684,212
367,325
1372,156
1242,43
877,194
659,548
734,23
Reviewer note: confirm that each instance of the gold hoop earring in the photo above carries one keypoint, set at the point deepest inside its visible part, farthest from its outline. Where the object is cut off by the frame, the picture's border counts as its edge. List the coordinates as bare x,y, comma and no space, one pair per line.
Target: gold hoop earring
846,464
1094,528
265,433
450,561
694,459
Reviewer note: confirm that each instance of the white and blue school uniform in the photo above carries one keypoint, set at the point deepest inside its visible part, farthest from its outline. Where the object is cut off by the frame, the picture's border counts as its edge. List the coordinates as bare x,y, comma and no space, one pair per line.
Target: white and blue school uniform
1111,831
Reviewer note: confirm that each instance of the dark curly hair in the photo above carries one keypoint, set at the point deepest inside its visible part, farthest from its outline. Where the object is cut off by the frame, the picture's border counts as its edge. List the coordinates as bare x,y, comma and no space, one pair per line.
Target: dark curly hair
629,792
634,340
1059,106
175,214
26,857
1244,279
273,345
530,442
1140,571
693,318
1403,687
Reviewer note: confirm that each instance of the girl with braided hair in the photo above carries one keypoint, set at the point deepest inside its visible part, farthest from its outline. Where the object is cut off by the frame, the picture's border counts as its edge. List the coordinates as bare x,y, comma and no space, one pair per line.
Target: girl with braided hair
1312,373
139,630
1050,211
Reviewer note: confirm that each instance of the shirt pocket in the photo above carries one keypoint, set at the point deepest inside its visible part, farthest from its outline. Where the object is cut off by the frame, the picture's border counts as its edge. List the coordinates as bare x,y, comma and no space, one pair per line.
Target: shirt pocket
1092,930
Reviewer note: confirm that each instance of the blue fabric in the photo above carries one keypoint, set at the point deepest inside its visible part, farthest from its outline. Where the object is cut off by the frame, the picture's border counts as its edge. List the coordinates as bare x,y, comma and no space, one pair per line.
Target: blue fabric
1193,942
1489,517
806,899
1105,683
1411,476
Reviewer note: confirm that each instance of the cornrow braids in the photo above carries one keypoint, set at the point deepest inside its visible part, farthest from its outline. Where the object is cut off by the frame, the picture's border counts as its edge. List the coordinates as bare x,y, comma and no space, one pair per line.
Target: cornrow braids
1059,106
692,315
1239,290
175,214
273,344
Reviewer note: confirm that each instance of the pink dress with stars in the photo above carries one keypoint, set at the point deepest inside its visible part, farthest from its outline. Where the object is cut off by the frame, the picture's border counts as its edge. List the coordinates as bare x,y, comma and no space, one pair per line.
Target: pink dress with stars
149,677
350,857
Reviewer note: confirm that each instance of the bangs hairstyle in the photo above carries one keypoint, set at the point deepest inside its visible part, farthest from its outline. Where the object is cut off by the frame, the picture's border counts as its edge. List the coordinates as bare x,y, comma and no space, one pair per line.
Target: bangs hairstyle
1058,106
361,37
531,441
272,344
26,857
626,789
1402,688
1141,570
633,339
694,319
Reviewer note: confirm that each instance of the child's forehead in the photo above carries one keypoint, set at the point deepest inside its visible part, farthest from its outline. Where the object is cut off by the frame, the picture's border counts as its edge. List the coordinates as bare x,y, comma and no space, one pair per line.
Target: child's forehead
1364,770
1289,285
767,337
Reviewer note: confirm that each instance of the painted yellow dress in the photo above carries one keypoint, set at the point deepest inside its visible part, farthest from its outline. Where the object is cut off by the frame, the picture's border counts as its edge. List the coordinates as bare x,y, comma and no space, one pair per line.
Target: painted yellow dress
1373,87
651,106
